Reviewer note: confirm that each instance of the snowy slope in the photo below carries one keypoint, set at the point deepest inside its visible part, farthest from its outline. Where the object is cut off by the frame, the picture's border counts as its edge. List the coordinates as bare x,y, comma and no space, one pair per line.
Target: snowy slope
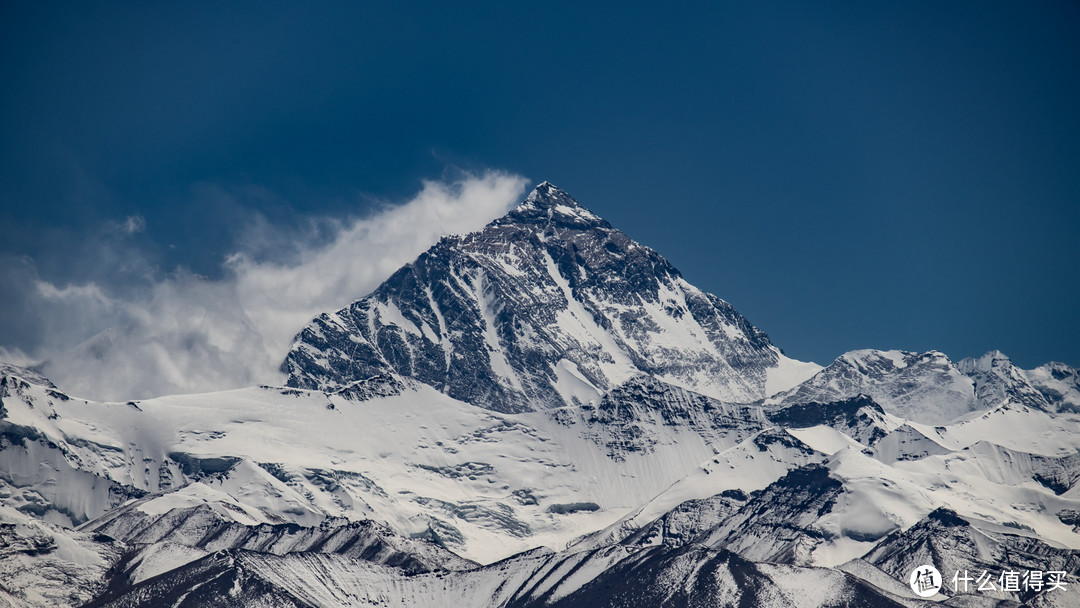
998,381
716,485
45,565
859,418
907,443
208,527
485,484
690,575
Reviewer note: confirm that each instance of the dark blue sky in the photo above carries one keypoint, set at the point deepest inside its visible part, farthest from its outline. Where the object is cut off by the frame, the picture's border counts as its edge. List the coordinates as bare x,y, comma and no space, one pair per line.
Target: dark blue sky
848,175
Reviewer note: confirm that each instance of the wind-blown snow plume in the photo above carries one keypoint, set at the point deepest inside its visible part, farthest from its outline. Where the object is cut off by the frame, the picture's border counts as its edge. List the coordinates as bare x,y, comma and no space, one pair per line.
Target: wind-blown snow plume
187,333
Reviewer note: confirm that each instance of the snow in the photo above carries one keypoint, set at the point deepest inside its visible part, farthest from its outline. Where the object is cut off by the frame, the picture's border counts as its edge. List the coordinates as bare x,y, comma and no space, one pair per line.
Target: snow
394,459
805,586
1018,428
964,481
825,439
854,525
744,467
486,304
199,493
572,385
160,558
897,358
444,341
572,573
875,576
788,374
906,443
1059,380
925,387
70,571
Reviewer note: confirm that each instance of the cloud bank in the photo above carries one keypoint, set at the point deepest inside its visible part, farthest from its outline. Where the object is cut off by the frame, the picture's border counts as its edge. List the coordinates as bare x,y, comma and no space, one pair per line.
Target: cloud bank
185,333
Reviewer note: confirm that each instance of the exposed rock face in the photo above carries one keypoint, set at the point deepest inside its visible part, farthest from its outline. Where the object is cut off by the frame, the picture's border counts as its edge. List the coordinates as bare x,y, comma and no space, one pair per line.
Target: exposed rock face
204,528
691,575
859,418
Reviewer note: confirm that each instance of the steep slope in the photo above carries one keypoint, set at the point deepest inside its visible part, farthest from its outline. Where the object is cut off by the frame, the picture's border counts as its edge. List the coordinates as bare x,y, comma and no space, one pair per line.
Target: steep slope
987,482
907,443
627,419
780,523
244,468
694,575
487,484
667,578
955,545
924,387
68,482
208,529
687,521
545,307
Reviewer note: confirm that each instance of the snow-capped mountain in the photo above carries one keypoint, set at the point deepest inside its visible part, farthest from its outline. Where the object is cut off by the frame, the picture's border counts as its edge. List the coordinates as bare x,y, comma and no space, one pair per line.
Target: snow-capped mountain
929,388
544,413
692,575
1059,383
958,545
545,307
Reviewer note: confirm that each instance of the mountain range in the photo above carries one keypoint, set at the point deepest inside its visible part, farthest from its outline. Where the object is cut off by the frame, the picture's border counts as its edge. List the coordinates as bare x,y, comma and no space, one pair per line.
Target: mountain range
546,413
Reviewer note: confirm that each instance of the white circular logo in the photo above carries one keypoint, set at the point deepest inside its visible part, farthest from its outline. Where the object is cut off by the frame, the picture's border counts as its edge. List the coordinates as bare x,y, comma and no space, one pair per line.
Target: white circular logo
925,581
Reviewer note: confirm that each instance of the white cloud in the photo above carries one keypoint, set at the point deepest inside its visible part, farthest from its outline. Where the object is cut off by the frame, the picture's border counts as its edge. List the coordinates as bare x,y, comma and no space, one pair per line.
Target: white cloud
15,356
133,224
189,334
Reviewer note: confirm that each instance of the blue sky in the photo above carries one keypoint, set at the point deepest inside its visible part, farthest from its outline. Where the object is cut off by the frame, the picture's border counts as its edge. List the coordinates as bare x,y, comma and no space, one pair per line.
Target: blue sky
848,175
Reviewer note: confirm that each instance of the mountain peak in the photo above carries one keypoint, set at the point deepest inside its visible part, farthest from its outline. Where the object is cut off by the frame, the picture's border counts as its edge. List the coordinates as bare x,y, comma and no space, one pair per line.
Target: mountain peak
547,306
548,204
25,373
546,195
994,359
